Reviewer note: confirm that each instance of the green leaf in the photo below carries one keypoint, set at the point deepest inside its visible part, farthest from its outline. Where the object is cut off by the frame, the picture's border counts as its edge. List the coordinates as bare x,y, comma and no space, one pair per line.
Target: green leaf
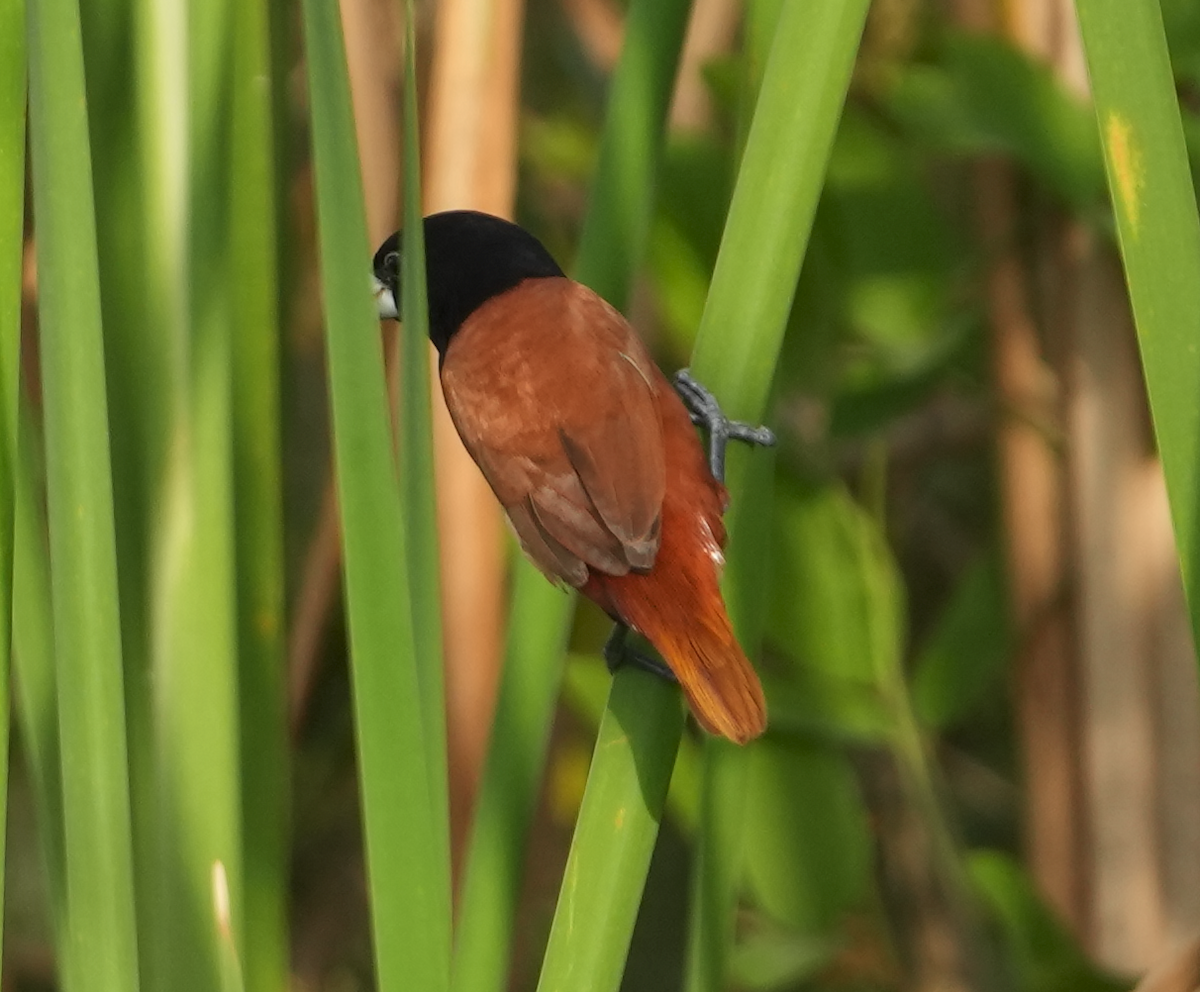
614,836
100,910
982,95
193,802
808,847
585,689
258,508
406,875
1043,955
964,657
782,170
1155,206
890,239
417,499
621,195
36,696
12,238
776,958
686,232
827,612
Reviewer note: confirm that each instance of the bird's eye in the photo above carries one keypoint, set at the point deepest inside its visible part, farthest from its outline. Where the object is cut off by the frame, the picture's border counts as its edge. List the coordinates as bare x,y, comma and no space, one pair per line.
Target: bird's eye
392,261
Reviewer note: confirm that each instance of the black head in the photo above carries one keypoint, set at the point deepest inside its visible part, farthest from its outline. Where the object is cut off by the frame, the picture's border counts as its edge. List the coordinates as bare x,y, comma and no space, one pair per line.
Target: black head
469,258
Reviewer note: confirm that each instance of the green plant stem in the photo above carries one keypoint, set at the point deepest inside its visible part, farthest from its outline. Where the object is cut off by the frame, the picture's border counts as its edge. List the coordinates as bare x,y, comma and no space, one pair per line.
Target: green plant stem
100,908
12,235
193,588
33,667
1155,206
622,194
409,922
417,471
614,836
258,509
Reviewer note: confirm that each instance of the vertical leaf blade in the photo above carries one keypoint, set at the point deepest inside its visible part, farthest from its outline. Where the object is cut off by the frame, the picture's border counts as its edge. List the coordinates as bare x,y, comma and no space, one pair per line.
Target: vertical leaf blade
12,233
614,835
259,504
419,500
1155,206
100,913
399,819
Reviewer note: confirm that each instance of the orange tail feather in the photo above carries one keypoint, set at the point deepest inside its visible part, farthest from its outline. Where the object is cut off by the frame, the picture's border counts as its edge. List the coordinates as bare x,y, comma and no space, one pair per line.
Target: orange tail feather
722,688
694,636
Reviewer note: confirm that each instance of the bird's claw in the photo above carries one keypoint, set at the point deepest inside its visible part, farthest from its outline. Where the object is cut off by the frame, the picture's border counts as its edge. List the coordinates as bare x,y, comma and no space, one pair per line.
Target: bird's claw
617,653
706,412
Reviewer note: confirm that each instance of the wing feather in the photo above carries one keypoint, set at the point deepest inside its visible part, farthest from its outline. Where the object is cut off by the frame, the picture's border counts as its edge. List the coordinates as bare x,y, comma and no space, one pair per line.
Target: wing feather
555,399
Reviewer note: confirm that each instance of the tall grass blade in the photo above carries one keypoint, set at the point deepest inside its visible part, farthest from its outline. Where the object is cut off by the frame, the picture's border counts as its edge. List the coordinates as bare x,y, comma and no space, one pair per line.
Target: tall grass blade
540,615
100,910
139,128
33,667
12,232
1155,206
193,633
406,902
416,468
258,503
618,824
622,194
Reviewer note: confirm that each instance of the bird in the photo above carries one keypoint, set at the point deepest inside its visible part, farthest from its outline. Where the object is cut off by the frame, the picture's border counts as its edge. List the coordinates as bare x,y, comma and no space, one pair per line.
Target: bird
592,452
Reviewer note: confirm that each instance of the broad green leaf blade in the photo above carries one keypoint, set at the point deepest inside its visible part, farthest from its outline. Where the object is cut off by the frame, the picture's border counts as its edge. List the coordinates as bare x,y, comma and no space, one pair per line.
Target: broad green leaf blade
399,818
140,346
100,911
1040,950
800,102
418,499
540,615
258,508
1155,207
614,836
12,235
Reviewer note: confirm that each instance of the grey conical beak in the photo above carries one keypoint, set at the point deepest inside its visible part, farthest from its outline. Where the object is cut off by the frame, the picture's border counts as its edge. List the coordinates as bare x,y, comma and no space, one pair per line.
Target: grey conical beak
385,300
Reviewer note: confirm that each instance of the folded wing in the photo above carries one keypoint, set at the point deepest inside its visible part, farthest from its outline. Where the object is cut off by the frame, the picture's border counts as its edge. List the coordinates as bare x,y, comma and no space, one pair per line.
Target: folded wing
555,398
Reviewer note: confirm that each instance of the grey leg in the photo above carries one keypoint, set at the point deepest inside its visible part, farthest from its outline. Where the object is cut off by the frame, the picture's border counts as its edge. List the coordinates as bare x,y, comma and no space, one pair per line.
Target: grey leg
707,413
617,653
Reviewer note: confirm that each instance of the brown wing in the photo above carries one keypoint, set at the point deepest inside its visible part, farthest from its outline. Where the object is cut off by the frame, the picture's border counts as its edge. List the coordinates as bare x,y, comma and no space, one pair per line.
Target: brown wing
554,396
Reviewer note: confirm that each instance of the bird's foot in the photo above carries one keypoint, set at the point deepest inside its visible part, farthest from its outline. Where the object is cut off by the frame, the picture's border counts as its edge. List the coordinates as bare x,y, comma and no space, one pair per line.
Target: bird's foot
707,413
617,653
